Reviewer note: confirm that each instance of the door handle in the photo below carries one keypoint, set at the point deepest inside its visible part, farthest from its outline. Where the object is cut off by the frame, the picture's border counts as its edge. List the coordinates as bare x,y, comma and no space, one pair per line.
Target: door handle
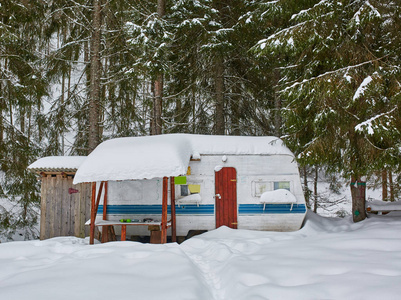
218,196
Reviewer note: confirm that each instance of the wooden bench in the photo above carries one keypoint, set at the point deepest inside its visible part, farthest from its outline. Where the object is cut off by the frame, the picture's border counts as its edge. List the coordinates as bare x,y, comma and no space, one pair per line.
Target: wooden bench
382,207
151,225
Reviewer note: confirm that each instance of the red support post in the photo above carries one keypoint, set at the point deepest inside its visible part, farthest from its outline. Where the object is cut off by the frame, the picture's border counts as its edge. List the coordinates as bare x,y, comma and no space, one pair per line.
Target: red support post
105,228
93,215
123,232
99,194
164,211
172,205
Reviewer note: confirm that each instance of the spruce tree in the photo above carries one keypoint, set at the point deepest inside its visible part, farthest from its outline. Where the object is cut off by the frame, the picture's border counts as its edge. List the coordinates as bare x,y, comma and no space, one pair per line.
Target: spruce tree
341,85
22,88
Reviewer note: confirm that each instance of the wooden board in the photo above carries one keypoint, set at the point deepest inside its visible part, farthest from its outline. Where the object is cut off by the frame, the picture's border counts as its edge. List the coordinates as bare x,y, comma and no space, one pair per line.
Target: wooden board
63,213
226,197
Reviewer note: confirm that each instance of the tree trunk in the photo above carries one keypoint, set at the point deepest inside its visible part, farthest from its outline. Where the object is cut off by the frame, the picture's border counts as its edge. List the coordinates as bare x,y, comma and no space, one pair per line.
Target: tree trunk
157,105
219,90
95,73
390,181
358,194
315,190
62,105
158,85
2,108
306,188
384,186
277,106
235,110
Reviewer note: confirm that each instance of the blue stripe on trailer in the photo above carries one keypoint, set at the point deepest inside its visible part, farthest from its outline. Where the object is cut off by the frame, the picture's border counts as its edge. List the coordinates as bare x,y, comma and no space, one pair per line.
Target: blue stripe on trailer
187,209
203,209
193,209
258,209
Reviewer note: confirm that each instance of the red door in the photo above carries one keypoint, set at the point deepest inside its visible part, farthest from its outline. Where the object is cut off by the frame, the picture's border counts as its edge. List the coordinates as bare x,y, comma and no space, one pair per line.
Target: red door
226,197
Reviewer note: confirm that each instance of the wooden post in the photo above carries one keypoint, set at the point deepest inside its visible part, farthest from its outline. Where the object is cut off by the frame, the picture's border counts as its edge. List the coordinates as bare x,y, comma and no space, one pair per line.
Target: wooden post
99,194
172,204
164,211
93,215
123,232
105,228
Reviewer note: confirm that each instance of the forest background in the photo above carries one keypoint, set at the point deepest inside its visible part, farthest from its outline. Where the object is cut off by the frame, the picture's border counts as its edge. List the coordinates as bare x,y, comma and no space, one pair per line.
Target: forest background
322,75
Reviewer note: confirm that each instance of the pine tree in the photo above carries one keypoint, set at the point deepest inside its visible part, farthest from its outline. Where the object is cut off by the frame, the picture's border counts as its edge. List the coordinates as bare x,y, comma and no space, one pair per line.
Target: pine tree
341,84
22,87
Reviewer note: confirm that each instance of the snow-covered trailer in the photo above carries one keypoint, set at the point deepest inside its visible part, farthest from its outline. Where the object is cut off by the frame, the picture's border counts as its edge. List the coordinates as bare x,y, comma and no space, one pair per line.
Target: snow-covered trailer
239,182
65,207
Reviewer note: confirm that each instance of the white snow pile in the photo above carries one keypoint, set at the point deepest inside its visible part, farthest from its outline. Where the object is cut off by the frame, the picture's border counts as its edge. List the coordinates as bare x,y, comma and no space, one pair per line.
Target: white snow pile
136,158
166,155
278,196
327,259
377,205
57,162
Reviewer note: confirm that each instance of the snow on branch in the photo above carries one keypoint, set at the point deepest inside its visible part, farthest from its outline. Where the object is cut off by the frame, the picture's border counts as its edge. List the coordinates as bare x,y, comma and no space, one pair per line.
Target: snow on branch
372,13
306,12
346,69
362,88
368,124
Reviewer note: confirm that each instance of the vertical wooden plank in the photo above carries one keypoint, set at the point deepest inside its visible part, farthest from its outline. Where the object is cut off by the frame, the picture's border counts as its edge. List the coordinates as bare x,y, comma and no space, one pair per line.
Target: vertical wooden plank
59,207
48,207
123,232
43,202
51,206
66,208
228,202
224,197
172,205
164,211
93,215
233,204
71,206
78,219
84,205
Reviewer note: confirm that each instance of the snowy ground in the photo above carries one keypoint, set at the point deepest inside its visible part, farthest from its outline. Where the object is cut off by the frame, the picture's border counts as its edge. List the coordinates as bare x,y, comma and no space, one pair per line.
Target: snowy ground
327,259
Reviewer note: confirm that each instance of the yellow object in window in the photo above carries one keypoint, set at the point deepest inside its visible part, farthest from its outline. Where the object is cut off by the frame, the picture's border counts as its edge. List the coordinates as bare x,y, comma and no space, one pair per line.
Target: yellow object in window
194,188
189,171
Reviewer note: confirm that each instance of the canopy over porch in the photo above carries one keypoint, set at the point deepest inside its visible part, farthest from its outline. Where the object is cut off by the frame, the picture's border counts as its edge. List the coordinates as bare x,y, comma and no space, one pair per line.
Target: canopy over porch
135,158
162,156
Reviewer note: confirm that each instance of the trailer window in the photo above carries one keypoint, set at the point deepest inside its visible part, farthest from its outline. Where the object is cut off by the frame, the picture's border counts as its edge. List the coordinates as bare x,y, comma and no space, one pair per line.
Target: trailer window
282,185
259,187
189,189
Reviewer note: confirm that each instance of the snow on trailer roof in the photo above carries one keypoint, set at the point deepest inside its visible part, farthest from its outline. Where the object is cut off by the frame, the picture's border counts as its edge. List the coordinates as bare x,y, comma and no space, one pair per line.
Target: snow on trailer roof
226,144
57,164
149,157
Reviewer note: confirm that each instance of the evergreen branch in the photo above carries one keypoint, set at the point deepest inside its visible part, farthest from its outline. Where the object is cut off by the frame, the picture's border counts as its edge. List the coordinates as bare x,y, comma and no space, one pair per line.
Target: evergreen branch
10,125
328,73
359,127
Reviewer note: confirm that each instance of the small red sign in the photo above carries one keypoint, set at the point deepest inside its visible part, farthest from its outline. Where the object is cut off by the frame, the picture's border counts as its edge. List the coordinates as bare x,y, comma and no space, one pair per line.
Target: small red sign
72,191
